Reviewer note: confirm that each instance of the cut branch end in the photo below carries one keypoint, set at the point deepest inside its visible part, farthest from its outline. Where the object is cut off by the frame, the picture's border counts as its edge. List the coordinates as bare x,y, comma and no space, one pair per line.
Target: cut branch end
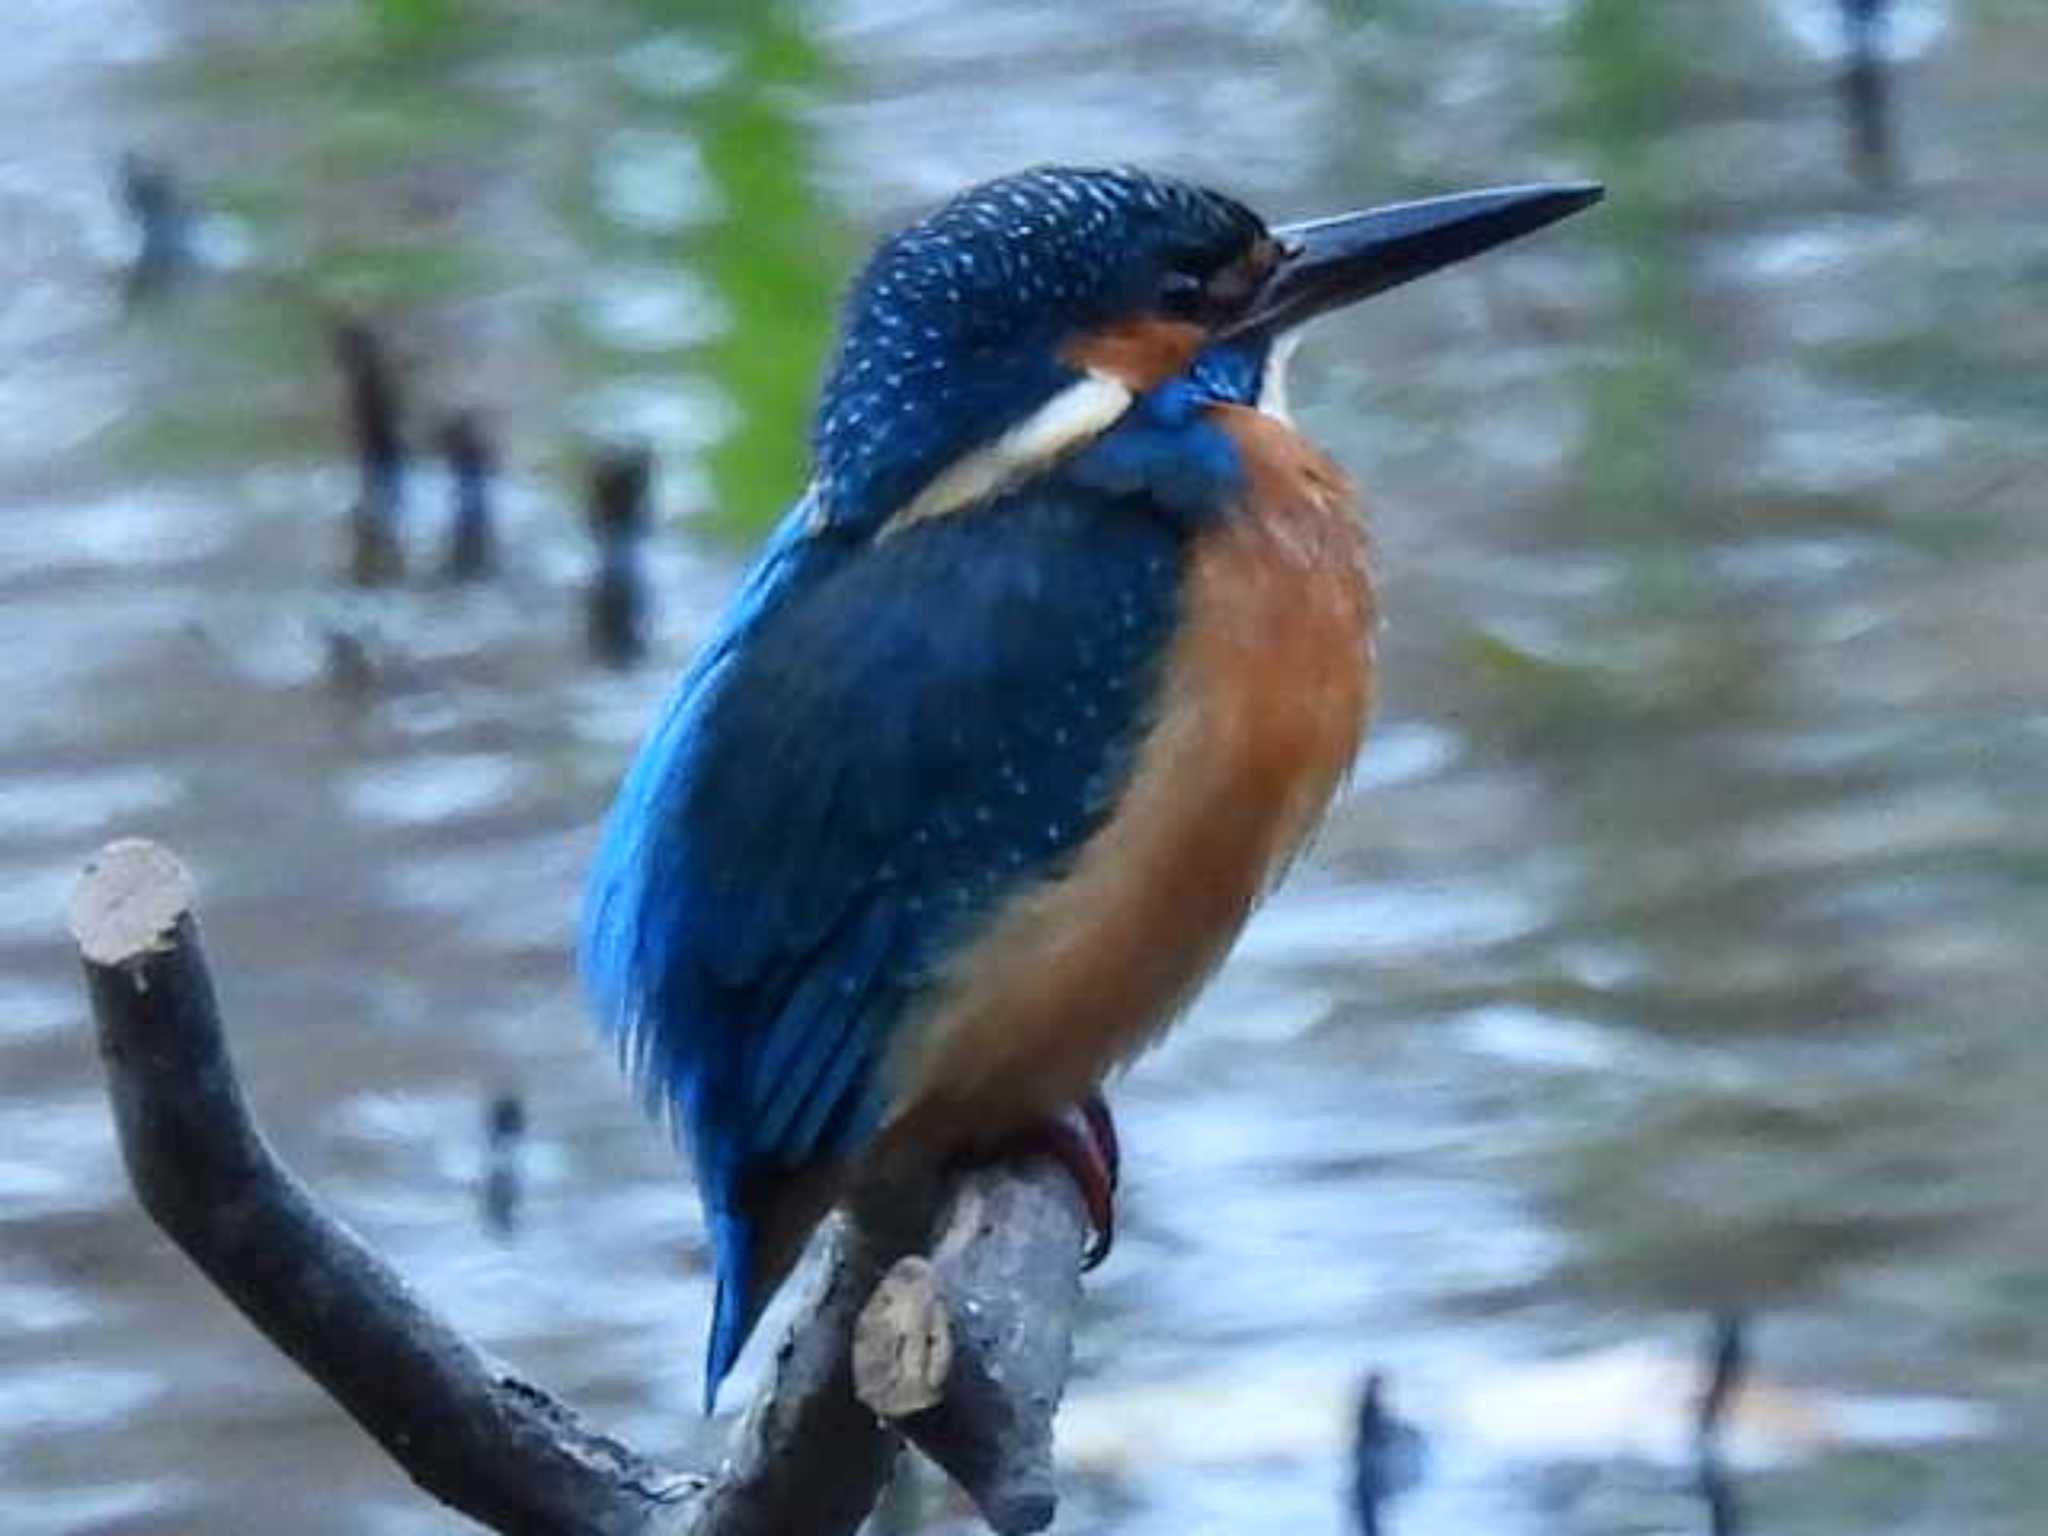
128,902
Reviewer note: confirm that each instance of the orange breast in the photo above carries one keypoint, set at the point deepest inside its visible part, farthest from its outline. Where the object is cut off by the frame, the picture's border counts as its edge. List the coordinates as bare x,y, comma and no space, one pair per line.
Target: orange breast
1267,692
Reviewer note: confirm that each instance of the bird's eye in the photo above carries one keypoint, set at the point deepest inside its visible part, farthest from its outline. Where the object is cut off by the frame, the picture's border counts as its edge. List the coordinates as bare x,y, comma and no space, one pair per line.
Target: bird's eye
1183,295
1213,291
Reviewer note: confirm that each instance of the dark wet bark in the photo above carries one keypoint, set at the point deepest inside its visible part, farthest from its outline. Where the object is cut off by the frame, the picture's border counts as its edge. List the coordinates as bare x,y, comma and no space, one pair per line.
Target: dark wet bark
809,1459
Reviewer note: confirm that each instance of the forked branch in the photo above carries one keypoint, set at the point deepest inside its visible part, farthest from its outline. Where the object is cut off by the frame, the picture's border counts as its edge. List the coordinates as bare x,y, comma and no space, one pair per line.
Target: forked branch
810,1457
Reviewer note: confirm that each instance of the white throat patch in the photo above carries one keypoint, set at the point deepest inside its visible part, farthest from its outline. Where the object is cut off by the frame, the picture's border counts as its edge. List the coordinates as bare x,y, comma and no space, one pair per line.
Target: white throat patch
1273,381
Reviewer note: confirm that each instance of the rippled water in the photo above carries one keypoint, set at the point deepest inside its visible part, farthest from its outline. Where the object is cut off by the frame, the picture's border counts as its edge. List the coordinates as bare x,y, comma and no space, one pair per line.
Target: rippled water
1676,949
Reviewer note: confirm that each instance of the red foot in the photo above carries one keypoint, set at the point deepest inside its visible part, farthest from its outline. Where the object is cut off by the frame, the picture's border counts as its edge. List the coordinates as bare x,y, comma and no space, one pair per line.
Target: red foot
1084,1142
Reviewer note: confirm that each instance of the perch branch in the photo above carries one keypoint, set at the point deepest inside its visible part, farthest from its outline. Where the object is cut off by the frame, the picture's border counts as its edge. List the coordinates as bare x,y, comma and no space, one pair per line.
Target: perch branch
968,1353
809,1458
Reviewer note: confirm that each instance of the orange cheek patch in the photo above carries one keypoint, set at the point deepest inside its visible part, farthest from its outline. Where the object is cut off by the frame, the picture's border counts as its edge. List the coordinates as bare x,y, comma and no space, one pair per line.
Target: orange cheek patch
1140,354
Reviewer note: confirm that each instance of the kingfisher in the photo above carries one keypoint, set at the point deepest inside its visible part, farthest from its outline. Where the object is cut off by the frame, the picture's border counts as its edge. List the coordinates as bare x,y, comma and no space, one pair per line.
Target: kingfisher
1050,671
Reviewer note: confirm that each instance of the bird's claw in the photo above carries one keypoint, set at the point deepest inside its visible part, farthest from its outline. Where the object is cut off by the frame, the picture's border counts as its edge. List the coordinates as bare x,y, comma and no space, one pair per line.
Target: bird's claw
1083,1141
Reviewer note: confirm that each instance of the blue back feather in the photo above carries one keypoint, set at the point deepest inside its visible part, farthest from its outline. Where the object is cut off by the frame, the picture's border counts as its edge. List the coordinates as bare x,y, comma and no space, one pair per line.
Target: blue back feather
871,756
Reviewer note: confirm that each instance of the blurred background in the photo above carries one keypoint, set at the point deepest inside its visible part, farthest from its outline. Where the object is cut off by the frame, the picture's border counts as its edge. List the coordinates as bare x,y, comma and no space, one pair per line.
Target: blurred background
1677,949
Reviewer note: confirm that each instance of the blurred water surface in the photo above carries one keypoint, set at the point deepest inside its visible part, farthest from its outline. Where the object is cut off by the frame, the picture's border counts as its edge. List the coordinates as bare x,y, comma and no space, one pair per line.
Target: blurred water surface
1677,948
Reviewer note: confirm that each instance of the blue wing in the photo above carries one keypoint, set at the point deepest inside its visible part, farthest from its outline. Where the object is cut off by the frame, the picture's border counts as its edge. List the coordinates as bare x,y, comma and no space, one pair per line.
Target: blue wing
884,741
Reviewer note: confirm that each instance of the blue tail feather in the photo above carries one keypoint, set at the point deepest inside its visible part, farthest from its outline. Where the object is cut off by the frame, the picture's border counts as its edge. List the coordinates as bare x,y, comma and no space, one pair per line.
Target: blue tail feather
733,1316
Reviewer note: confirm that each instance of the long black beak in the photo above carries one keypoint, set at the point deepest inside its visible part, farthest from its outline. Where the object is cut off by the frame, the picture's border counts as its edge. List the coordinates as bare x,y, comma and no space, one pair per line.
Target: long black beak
1328,263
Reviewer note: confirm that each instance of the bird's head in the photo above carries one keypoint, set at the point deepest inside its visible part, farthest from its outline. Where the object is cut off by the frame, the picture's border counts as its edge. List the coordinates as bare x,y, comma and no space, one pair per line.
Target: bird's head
1024,320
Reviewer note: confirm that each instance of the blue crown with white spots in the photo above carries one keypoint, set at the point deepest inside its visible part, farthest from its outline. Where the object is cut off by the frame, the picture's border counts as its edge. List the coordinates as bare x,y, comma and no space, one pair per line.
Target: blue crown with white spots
953,330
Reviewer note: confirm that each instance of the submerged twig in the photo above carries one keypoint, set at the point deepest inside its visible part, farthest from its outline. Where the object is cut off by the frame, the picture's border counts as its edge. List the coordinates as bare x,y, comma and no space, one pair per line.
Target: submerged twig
616,619
374,412
1727,1362
1388,1456
472,538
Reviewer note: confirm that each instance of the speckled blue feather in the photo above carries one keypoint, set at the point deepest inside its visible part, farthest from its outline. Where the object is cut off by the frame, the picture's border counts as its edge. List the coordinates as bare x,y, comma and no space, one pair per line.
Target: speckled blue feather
953,331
